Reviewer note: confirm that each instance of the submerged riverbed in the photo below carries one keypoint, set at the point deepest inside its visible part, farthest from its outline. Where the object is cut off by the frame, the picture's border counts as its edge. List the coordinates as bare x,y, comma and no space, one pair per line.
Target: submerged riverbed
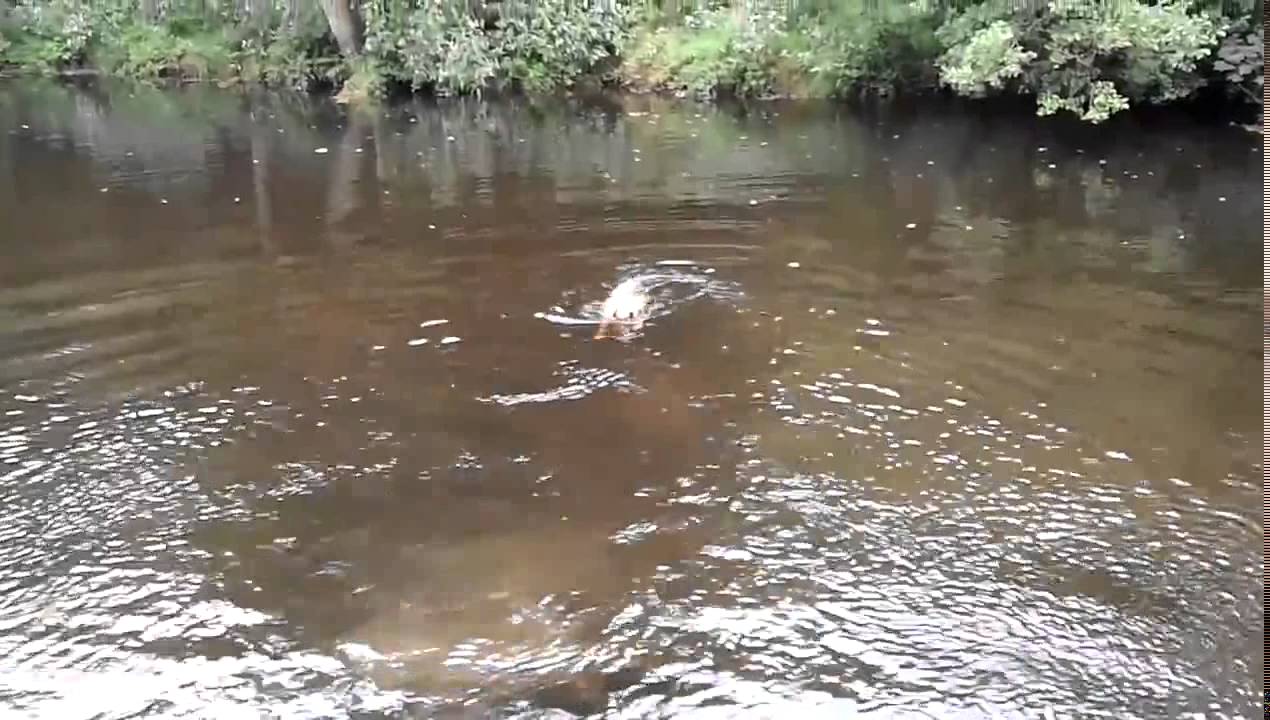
944,414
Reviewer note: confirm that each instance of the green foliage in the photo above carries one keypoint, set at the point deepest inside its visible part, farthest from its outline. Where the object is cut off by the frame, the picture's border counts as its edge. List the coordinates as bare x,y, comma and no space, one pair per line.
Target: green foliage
47,37
387,25
832,47
987,61
151,51
1240,61
1091,59
854,48
362,78
299,58
559,41
716,51
442,46
446,49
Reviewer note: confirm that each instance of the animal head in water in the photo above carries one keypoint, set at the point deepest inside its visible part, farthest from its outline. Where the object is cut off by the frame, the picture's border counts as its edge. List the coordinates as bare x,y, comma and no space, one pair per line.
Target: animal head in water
624,310
616,329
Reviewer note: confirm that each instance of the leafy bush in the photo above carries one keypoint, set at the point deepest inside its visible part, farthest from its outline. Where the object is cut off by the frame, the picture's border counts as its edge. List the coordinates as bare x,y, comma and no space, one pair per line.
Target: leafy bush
558,42
387,24
299,58
985,62
445,48
834,47
442,46
63,35
361,78
854,48
1240,61
716,52
47,37
1091,59
150,51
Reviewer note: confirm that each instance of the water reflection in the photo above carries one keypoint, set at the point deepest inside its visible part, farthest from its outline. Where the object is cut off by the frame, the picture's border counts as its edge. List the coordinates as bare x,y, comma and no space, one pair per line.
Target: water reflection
304,414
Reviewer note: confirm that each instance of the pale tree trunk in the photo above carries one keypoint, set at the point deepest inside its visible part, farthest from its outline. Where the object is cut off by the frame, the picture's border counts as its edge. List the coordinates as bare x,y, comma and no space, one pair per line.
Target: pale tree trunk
346,25
292,14
149,10
258,11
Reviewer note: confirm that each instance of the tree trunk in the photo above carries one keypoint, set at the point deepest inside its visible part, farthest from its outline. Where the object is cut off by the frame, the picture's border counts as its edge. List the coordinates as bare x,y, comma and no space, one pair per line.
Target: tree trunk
149,10
292,14
346,25
258,11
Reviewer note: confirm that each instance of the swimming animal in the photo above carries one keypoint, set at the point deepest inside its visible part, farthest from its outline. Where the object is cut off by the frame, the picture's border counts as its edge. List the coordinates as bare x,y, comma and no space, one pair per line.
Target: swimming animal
625,309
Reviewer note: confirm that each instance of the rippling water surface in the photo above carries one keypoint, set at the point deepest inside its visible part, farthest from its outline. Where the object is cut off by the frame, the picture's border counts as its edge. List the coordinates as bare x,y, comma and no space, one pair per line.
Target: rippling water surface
938,414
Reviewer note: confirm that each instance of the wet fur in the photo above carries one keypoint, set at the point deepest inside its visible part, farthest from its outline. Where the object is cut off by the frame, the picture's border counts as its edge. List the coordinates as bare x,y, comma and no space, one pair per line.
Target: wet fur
624,311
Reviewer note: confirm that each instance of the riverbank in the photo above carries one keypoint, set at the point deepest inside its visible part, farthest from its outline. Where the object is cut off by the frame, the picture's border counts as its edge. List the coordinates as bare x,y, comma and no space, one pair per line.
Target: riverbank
1091,61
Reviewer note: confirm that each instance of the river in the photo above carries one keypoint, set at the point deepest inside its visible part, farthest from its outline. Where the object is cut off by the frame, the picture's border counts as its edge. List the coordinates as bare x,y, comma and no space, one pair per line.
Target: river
944,412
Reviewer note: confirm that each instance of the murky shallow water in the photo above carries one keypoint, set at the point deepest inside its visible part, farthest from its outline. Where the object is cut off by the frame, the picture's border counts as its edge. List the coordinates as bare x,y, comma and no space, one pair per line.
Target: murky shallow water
947,416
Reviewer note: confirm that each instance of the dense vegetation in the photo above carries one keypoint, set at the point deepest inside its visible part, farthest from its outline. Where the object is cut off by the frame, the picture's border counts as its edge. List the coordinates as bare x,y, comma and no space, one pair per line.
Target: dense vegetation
1090,58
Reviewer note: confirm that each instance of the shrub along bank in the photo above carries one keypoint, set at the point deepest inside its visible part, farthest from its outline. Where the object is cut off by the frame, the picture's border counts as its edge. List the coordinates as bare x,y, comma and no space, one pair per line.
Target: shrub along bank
1091,58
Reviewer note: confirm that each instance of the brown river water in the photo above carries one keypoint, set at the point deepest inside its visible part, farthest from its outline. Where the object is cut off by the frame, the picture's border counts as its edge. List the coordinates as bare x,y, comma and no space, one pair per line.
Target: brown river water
940,412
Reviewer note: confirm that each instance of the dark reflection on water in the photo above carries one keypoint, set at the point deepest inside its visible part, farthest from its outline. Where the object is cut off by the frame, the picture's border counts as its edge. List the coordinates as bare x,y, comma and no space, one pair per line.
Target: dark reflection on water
303,417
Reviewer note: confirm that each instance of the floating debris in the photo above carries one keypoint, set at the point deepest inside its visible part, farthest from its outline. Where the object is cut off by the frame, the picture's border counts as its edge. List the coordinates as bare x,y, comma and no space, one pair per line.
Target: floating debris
433,323
451,339
319,151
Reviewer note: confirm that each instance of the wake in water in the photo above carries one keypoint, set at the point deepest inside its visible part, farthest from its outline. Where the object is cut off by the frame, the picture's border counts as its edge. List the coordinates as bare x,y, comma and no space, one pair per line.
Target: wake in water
639,295
579,382
642,295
